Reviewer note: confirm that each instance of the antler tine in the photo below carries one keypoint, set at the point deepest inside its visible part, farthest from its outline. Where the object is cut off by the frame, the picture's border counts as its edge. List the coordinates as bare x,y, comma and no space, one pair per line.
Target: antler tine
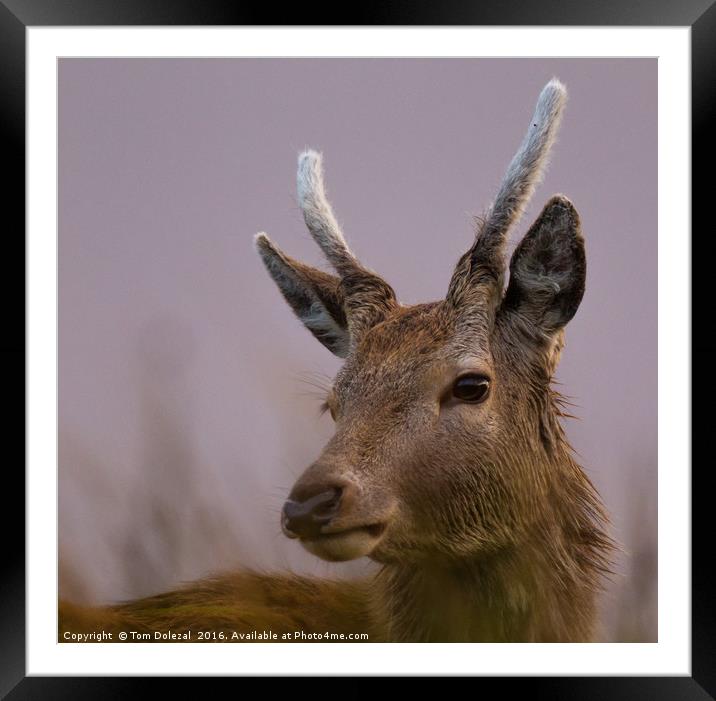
367,297
484,261
318,214
528,164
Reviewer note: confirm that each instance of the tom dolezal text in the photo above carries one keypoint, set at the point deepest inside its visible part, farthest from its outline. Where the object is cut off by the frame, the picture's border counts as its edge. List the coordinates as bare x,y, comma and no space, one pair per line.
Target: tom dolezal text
133,636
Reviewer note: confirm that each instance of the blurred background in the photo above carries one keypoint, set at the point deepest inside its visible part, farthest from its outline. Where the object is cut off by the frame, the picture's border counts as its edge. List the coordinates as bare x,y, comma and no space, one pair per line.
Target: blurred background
189,394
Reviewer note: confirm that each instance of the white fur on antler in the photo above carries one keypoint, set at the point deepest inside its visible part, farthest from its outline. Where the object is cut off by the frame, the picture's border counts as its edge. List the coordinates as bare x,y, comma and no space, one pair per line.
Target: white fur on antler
528,164
482,267
318,214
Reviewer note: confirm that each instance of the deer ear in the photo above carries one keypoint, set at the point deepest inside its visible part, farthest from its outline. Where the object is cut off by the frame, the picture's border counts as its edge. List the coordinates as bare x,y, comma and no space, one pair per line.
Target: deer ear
315,297
548,271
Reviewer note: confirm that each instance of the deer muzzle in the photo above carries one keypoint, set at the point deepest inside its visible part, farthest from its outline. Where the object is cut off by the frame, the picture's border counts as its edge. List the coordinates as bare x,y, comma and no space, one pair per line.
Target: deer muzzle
305,519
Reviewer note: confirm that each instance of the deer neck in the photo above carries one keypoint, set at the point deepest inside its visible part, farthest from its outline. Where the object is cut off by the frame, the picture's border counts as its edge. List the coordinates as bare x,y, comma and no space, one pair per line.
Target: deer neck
542,588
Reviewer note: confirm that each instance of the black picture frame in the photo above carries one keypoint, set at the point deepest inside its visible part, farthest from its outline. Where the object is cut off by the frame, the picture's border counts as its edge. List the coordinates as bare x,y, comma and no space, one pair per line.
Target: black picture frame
17,15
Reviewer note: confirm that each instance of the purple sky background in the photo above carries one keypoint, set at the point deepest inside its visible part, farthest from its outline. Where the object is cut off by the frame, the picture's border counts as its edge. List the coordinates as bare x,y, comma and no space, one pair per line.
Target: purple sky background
184,416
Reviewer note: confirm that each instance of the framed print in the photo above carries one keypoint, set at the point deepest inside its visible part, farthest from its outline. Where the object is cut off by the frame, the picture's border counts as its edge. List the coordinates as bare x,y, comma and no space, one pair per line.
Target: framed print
367,335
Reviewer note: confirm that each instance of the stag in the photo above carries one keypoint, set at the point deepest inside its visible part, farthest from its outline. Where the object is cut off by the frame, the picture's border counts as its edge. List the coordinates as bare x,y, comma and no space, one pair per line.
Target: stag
449,466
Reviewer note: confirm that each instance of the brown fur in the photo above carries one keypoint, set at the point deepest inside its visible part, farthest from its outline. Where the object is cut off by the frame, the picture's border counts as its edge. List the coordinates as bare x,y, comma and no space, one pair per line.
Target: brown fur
509,548
236,603
485,527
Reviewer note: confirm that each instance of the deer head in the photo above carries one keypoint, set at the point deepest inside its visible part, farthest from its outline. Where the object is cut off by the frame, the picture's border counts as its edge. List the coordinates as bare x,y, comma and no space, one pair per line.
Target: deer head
447,439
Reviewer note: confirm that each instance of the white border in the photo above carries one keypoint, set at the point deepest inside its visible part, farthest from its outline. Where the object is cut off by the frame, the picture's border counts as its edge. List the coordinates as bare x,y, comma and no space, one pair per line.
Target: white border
671,655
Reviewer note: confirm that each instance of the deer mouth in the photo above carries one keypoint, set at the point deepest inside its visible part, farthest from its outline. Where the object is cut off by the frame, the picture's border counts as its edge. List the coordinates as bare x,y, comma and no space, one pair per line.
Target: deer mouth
347,544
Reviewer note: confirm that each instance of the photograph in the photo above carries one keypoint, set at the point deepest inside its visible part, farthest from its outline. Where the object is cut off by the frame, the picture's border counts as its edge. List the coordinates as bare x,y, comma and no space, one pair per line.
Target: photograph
357,349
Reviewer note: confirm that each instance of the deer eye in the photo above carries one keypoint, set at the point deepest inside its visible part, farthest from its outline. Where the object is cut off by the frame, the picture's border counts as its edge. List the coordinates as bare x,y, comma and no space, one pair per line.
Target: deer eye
471,388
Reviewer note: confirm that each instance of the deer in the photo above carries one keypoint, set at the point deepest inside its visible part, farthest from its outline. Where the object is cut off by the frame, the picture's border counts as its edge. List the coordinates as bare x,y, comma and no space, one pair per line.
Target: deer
449,466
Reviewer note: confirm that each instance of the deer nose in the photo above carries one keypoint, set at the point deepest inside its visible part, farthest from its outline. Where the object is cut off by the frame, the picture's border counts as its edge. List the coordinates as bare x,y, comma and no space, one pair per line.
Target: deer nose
304,518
